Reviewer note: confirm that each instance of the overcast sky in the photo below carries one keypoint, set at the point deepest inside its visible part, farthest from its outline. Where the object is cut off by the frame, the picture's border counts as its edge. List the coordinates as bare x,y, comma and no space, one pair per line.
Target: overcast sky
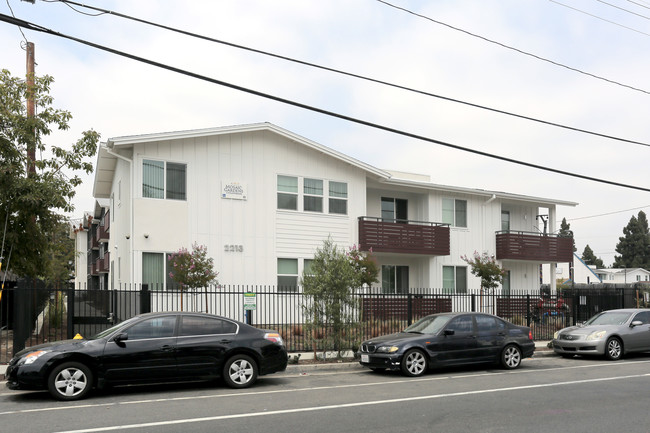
118,96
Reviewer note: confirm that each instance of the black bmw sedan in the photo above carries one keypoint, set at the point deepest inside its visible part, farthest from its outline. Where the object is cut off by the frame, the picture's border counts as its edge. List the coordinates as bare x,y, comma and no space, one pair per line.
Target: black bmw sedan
448,339
151,348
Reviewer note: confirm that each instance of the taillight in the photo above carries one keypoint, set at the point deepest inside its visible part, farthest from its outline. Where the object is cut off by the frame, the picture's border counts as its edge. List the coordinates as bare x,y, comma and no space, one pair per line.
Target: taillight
530,334
274,337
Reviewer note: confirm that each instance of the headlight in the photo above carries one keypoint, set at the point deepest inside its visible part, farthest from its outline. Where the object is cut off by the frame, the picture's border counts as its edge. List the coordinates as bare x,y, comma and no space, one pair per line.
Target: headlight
387,349
557,333
596,335
33,356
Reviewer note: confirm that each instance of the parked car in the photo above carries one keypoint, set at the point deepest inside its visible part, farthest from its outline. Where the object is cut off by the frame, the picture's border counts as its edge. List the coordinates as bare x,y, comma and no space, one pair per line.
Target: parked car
449,339
151,348
612,333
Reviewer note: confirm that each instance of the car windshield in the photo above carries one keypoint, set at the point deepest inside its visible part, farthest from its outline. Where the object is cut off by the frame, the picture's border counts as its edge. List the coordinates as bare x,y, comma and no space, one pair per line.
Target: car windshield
609,318
429,325
109,331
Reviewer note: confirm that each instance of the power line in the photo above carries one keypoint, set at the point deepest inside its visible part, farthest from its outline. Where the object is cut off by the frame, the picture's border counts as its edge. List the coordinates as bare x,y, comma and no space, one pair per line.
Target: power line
35,27
608,213
623,9
516,49
338,71
600,18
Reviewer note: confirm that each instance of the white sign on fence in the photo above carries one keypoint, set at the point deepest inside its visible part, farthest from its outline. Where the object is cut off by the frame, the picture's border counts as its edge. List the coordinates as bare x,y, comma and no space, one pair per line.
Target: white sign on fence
249,301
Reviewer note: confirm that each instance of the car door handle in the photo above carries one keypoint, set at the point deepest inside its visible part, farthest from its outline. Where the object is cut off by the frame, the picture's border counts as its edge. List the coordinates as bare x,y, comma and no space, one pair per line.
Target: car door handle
167,348
225,341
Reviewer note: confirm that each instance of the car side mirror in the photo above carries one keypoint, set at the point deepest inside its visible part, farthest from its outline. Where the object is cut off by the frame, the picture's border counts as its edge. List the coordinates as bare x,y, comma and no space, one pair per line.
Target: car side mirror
122,336
449,332
636,323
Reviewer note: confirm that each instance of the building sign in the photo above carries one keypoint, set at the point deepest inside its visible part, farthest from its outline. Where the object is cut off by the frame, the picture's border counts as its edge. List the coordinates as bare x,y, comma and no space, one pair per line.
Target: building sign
233,190
249,301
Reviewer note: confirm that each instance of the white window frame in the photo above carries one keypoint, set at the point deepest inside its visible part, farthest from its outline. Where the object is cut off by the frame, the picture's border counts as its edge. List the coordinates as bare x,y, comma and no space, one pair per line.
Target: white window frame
165,188
448,219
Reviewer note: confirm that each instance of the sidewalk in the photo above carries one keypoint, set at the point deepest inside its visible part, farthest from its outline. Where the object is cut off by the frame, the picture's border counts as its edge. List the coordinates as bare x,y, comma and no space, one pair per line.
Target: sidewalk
541,349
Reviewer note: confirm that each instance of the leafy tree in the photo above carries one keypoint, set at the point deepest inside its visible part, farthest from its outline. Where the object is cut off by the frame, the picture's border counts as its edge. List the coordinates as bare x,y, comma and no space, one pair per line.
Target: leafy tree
365,266
487,269
329,296
29,201
590,258
192,269
565,231
634,247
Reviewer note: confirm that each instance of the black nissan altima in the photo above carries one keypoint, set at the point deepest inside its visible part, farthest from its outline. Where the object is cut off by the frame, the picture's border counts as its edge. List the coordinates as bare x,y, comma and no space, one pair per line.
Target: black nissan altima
449,339
151,348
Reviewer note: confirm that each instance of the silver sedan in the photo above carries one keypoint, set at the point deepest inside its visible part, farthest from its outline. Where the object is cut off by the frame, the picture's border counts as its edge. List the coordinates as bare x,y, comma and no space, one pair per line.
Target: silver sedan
612,333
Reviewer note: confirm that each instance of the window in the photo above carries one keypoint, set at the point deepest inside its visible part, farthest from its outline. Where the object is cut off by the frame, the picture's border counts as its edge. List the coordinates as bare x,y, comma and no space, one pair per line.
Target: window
313,195
158,327
461,325
287,275
287,192
307,266
394,279
193,325
489,324
155,271
163,180
505,220
338,202
454,279
454,212
394,209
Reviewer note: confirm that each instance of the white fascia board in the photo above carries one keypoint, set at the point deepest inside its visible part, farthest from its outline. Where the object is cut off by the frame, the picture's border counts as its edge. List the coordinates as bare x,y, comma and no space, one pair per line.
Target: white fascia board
180,135
480,192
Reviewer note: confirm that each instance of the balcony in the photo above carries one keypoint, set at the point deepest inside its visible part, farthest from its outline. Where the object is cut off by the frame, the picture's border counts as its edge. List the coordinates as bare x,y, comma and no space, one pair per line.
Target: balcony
403,236
105,263
536,247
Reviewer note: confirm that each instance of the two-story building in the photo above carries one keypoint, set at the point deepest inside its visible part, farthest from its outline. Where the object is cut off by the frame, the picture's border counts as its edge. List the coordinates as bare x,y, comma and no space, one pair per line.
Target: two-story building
262,199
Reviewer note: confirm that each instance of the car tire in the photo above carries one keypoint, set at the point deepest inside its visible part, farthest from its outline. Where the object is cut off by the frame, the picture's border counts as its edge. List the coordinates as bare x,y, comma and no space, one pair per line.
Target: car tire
70,381
614,349
240,371
414,363
511,357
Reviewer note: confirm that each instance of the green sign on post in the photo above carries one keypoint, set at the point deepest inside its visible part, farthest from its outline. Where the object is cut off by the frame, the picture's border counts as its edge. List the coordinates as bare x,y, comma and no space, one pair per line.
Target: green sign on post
249,301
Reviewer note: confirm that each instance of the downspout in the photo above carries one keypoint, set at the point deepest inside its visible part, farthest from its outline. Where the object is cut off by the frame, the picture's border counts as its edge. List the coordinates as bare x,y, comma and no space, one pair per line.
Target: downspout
130,162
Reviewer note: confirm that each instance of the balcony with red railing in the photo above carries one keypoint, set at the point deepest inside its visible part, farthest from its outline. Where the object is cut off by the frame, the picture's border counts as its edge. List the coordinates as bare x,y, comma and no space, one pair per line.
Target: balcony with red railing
105,263
538,247
403,236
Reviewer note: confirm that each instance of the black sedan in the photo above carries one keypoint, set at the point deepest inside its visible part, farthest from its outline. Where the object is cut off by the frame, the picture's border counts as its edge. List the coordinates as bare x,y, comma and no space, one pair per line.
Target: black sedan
448,339
151,348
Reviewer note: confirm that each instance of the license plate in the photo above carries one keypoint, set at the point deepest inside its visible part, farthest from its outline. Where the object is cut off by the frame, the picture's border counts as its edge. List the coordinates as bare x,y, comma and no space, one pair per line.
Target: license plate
365,358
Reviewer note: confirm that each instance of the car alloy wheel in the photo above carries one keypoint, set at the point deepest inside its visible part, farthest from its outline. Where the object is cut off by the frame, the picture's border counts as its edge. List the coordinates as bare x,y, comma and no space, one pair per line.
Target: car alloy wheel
414,363
511,357
614,349
240,371
70,381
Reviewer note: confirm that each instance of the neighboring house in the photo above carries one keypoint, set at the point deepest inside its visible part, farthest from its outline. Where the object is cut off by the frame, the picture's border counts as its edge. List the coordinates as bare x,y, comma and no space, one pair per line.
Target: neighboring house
92,257
582,272
262,199
615,275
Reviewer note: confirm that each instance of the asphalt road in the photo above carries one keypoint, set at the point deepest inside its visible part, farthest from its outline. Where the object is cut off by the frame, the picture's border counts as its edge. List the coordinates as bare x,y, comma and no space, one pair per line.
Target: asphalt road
548,394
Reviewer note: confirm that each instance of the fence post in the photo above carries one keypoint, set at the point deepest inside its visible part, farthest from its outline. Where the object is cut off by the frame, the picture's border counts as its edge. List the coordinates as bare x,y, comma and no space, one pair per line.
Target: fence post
528,309
409,309
71,313
473,302
145,299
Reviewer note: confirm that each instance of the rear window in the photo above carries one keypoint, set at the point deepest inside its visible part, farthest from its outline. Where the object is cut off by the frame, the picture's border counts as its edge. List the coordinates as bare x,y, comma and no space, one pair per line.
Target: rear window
195,325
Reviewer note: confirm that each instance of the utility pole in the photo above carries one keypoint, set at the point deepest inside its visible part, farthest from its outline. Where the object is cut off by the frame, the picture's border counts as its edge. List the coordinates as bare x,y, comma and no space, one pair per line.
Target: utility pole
31,108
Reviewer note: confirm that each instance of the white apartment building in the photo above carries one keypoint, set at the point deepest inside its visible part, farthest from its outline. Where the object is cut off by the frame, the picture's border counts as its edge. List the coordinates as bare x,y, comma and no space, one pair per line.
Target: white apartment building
262,199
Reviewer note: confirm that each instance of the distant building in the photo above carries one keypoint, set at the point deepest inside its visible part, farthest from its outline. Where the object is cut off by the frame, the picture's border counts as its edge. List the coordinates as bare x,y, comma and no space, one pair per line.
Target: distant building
616,275
582,273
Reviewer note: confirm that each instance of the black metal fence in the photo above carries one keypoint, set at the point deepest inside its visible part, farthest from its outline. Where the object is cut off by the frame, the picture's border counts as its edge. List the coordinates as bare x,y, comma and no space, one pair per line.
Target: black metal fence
31,313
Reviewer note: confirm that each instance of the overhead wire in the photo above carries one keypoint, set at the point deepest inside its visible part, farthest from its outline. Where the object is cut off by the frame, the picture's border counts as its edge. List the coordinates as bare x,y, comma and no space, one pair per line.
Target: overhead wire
623,9
350,74
571,68
609,213
38,28
600,18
